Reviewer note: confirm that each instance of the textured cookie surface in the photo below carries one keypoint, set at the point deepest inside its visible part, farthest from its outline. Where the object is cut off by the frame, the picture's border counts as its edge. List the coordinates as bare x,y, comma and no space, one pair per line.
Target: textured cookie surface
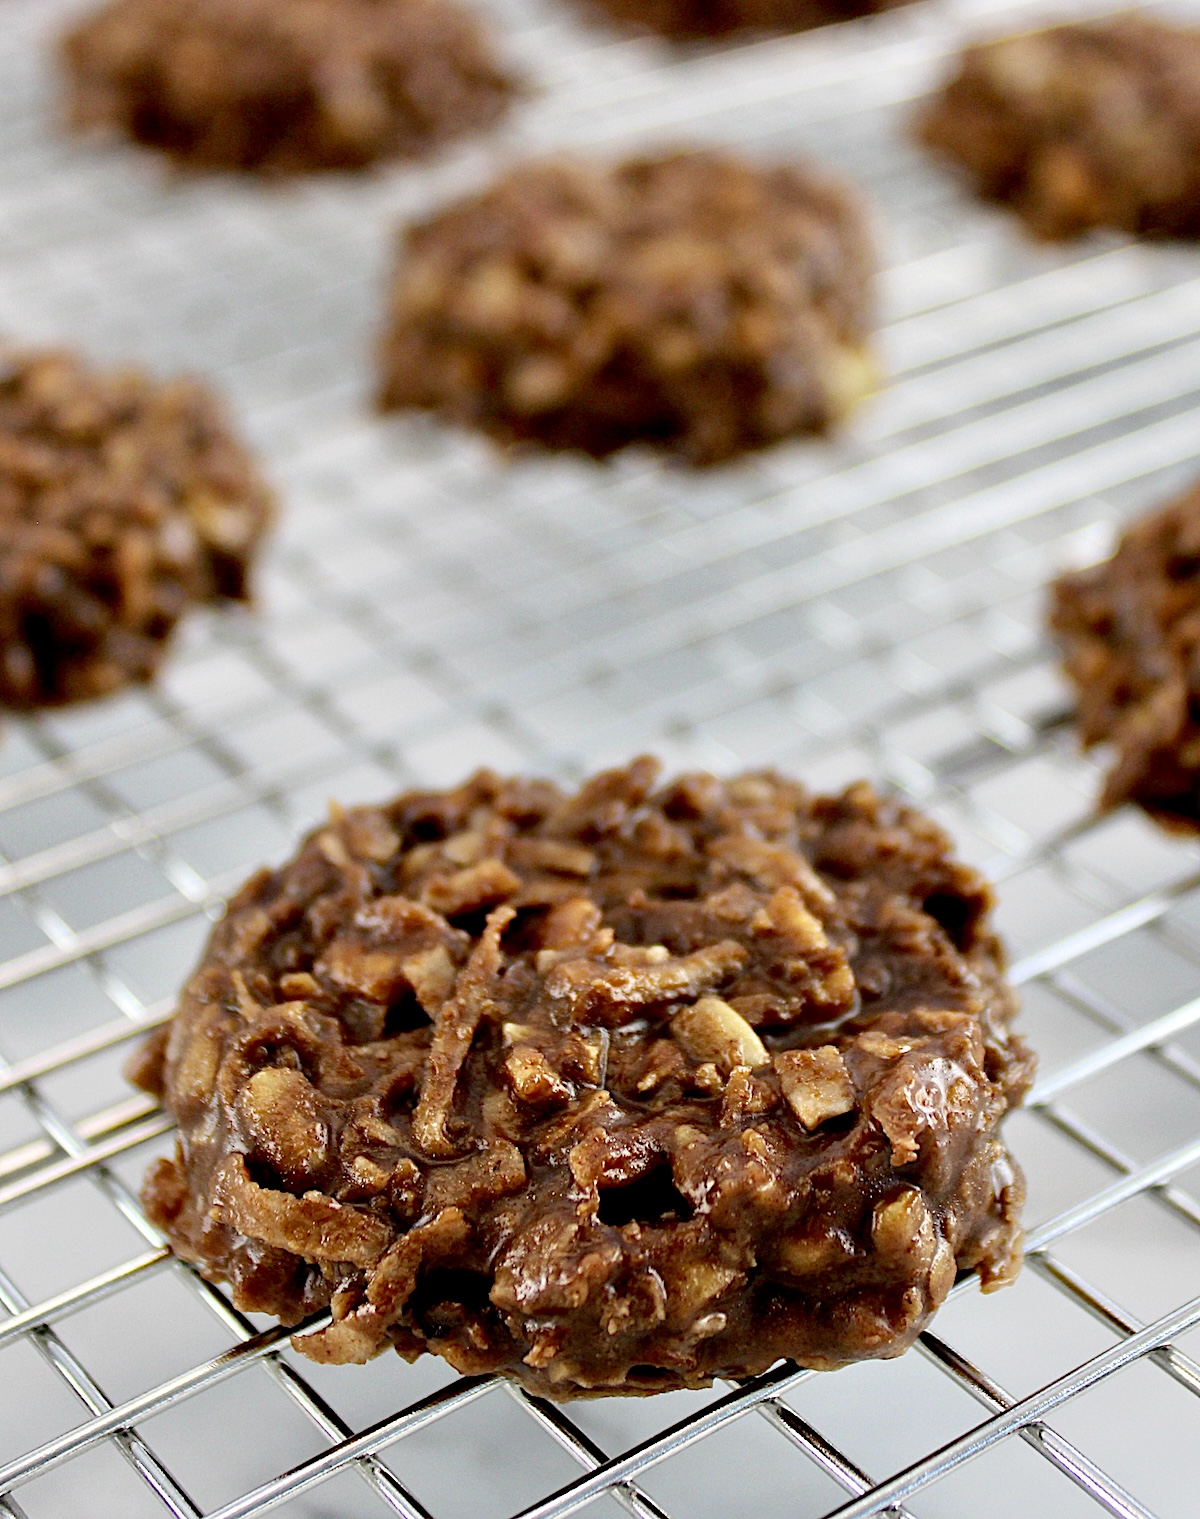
692,301
123,500
284,86
1130,631
718,18
614,1092
1095,124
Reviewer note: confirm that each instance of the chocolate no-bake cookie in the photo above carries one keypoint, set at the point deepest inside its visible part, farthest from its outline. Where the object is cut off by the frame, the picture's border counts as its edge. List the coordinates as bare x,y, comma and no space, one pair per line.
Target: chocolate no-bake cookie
693,301
614,1091
1092,124
1130,632
682,19
123,500
284,86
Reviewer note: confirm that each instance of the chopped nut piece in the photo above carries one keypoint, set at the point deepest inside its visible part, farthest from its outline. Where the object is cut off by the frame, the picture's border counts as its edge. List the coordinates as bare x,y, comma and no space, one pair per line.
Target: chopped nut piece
287,1118
376,974
711,1030
663,1062
297,985
883,1045
371,1177
368,834
585,1056
816,1084
552,854
787,914
746,1096
573,925
695,1284
478,886
804,1255
534,1079
901,1225
708,1079
431,975
466,848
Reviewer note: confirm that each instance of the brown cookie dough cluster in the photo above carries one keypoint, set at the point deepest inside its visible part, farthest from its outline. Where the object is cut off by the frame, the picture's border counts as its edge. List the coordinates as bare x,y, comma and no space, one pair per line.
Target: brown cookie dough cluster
692,301
614,1091
1093,124
1130,632
683,19
284,86
123,501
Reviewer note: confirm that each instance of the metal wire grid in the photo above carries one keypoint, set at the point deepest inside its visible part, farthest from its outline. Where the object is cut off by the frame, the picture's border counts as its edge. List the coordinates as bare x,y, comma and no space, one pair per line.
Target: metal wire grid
868,607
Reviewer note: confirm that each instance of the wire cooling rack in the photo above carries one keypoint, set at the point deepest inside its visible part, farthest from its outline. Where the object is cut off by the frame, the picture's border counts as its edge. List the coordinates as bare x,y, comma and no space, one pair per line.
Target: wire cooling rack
868,606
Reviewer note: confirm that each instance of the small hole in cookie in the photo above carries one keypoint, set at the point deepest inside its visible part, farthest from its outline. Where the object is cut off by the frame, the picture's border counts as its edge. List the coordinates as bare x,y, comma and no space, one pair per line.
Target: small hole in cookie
473,921
404,1015
448,1298
425,828
652,1199
647,1375
956,915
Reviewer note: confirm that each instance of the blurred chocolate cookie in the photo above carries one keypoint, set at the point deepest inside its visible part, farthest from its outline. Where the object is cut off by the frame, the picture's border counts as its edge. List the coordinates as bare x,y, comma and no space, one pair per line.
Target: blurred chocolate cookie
1130,632
1092,124
692,301
123,501
284,86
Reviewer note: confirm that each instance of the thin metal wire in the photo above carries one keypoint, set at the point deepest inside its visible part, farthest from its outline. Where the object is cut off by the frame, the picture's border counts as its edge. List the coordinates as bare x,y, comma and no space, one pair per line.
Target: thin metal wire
897,1489
382,1481
128,1442
75,1299
1055,1447
584,1450
1173,1361
60,1056
1020,1416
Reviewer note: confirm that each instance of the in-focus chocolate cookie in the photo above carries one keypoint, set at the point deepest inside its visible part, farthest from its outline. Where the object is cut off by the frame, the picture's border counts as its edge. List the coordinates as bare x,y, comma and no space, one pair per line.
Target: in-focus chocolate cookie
123,501
693,301
1130,633
284,86
682,19
1092,124
613,1091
